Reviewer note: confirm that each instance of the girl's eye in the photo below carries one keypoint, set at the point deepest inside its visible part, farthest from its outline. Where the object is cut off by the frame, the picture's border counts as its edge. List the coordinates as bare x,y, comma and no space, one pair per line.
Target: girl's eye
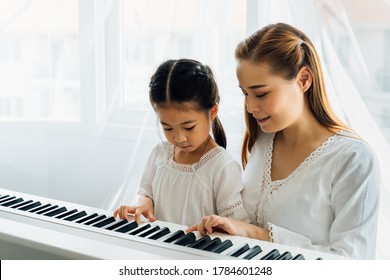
167,128
189,128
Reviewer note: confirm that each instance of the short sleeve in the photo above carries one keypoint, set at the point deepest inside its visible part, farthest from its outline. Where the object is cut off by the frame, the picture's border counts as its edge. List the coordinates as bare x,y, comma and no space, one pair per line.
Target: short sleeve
227,189
148,175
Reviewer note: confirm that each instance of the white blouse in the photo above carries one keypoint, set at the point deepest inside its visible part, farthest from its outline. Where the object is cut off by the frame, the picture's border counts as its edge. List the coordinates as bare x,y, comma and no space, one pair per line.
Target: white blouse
329,203
184,193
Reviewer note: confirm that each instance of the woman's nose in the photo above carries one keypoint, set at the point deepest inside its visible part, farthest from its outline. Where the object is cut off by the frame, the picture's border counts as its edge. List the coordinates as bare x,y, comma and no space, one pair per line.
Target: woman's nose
249,105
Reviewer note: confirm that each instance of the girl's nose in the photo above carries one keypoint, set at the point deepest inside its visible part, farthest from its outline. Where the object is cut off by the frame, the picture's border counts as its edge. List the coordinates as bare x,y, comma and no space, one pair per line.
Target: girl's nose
180,137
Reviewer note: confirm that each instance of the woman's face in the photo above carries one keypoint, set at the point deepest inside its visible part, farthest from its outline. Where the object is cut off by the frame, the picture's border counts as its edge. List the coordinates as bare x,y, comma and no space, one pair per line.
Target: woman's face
276,103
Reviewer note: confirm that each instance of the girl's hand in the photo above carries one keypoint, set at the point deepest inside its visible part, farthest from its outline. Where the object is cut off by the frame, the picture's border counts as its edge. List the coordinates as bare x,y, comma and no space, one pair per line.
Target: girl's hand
144,207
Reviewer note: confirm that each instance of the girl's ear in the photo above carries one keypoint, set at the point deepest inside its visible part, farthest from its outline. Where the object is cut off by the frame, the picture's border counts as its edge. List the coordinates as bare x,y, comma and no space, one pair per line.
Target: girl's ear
305,78
213,112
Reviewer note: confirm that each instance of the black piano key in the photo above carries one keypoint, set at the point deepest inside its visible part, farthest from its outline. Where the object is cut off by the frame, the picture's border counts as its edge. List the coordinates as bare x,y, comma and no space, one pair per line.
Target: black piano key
98,218
140,229
12,202
117,224
105,222
223,246
21,204
66,214
186,239
6,198
212,245
47,209
55,212
87,218
271,255
162,232
40,208
76,216
150,231
30,206
254,251
201,242
284,256
173,236
239,251
298,257
128,227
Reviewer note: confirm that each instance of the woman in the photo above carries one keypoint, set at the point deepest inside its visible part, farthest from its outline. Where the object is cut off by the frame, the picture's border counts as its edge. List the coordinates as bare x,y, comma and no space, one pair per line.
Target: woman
309,181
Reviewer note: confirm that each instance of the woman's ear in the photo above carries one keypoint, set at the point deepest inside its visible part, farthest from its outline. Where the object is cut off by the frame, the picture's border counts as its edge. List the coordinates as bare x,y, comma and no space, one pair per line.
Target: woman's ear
305,78
213,112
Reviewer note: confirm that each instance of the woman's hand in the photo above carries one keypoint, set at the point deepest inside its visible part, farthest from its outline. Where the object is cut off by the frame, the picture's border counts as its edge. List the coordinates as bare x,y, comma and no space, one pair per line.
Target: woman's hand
144,207
213,223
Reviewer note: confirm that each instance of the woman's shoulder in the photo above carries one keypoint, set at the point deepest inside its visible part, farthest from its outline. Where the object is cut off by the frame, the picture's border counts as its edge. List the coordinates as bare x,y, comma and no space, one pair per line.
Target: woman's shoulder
351,148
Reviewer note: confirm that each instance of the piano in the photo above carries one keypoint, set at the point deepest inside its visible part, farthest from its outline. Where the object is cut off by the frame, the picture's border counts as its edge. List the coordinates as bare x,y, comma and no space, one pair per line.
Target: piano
34,227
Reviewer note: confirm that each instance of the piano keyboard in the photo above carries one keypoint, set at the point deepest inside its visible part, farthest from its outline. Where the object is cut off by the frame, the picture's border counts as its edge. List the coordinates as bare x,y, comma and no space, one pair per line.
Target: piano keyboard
34,227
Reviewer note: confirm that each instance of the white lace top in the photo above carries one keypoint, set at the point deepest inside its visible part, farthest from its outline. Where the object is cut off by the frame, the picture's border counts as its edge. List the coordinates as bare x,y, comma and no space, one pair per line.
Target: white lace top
183,193
329,203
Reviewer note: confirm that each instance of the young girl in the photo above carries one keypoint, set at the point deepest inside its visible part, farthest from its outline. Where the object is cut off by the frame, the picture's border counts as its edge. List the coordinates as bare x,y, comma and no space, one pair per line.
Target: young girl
192,174
309,181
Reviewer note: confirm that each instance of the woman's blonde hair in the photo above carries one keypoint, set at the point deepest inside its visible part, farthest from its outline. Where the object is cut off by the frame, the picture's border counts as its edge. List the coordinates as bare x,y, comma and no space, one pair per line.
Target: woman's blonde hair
286,50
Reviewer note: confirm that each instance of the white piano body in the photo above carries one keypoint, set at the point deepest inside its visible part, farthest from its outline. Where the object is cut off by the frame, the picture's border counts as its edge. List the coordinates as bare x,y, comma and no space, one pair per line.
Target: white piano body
26,234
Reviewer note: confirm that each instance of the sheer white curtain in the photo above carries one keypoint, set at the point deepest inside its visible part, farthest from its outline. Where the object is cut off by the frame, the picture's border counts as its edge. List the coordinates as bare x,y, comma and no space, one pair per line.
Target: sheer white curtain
322,21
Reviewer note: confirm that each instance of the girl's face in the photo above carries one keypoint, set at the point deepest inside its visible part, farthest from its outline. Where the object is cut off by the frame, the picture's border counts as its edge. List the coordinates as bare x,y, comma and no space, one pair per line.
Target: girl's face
276,103
185,129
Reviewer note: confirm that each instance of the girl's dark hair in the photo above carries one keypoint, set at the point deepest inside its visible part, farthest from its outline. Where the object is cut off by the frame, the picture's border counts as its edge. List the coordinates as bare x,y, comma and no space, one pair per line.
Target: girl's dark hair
177,82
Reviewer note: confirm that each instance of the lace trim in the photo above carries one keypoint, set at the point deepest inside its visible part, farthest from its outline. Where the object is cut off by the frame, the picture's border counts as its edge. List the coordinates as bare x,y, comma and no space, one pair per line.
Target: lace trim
267,186
230,208
271,233
191,168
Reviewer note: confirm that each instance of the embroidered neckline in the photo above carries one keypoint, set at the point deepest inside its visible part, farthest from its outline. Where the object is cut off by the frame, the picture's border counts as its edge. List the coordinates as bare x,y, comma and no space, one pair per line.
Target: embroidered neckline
267,186
191,168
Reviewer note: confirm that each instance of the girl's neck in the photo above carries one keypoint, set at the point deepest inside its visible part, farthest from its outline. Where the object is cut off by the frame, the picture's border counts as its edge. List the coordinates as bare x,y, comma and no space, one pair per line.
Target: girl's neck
194,157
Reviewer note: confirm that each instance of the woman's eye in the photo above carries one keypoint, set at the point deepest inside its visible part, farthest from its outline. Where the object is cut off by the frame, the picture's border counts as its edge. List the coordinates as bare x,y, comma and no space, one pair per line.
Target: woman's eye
261,95
167,128
189,128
